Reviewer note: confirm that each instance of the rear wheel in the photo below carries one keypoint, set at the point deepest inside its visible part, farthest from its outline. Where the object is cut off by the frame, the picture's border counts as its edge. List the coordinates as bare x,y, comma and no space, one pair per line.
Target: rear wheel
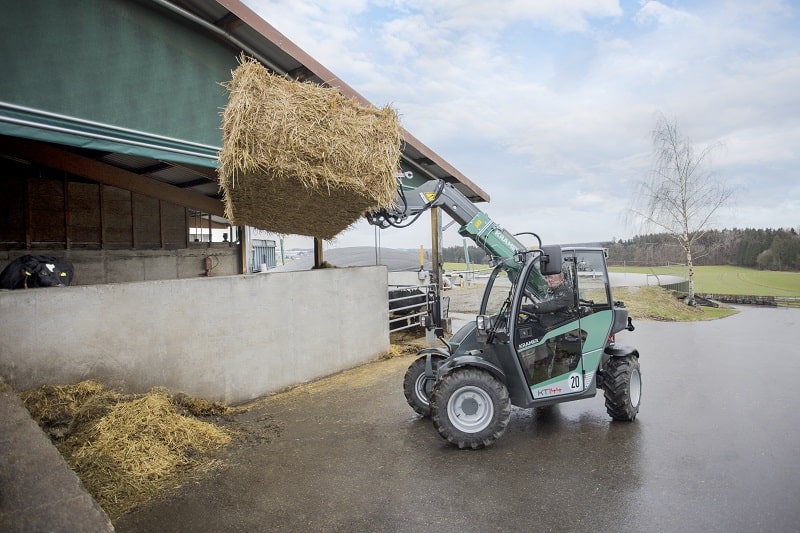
417,387
622,383
470,408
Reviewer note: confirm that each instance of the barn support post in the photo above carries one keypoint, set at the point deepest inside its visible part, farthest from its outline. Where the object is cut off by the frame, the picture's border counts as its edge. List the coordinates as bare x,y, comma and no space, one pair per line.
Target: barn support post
436,278
317,252
243,247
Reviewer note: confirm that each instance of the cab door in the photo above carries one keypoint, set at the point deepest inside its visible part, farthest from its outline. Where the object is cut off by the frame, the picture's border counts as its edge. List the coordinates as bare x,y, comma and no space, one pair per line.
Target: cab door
594,306
549,343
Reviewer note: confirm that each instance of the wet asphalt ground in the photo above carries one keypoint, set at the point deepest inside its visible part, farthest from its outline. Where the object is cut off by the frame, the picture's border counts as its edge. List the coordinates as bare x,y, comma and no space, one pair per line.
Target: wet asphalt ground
716,447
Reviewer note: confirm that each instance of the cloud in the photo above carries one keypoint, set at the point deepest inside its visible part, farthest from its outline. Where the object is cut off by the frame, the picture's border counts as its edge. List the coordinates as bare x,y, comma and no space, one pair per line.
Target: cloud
487,17
659,14
558,99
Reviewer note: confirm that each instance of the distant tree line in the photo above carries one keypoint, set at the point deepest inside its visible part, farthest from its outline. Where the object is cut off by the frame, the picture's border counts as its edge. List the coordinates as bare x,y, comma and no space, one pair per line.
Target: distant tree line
765,249
455,254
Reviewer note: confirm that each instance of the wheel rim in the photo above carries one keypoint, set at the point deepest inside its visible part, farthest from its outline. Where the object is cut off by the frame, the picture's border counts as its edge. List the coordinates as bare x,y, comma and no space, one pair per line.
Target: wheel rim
419,389
470,409
636,388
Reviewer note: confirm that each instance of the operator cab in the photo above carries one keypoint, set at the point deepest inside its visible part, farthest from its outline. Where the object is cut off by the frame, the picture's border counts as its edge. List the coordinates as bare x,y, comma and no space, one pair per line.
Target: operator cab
555,324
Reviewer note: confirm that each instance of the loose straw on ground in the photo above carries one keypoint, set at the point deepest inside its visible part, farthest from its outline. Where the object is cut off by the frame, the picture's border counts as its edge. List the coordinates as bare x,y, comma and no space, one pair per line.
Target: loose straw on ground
127,448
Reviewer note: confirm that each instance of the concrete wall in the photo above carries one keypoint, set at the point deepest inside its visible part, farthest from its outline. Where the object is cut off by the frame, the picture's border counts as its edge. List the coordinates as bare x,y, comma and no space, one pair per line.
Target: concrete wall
123,266
221,338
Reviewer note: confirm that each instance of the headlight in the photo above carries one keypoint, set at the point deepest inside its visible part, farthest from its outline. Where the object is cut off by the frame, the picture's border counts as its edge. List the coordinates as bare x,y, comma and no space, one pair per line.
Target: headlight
483,323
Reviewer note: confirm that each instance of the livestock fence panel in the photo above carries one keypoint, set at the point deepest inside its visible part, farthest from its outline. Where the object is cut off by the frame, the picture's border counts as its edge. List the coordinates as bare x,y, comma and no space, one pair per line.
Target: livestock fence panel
408,304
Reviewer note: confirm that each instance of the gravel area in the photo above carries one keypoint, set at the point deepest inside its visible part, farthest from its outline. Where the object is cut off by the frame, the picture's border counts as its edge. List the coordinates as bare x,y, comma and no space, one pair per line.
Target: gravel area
466,299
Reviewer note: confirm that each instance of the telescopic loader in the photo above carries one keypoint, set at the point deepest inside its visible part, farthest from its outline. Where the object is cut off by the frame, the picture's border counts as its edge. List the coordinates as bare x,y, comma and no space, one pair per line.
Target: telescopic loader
511,354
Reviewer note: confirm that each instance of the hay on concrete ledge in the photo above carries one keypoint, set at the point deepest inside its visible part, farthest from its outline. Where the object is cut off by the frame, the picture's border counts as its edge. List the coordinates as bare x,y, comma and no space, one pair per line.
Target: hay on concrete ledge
61,409
128,448
301,159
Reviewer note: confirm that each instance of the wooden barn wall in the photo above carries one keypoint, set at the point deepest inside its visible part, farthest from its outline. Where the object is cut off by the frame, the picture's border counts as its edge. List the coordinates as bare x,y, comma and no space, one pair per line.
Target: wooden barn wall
113,234
51,209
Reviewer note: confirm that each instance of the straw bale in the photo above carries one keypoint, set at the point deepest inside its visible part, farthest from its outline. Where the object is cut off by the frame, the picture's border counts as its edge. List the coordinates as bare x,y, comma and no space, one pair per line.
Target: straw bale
298,158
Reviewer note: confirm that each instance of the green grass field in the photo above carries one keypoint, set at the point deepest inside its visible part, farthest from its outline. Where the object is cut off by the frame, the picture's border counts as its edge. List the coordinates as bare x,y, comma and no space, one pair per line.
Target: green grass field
463,266
731,280
654,303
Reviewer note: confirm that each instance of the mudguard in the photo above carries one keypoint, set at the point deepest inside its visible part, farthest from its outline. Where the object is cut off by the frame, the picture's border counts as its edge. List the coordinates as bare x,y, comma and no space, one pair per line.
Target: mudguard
428,354
434,351
608,353
621,351
471,361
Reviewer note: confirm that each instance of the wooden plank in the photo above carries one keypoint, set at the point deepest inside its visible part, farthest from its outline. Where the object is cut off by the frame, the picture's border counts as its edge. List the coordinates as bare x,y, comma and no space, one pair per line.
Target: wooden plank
48,155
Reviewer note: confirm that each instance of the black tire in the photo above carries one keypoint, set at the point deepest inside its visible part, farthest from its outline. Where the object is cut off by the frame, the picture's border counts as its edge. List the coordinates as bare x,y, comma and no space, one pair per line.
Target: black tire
470,408
622,385
417,387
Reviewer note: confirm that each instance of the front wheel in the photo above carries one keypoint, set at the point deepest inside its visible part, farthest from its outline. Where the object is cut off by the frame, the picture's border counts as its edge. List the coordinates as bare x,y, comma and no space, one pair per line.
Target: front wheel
470,408
622,383
417,387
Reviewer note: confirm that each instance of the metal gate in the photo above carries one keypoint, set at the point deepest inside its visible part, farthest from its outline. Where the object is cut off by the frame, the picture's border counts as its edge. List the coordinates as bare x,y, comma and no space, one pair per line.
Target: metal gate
408,304
262,253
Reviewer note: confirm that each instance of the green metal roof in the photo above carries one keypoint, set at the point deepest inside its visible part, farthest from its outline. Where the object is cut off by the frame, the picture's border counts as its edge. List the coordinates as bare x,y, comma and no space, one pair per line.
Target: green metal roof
18,121
144,79
112,75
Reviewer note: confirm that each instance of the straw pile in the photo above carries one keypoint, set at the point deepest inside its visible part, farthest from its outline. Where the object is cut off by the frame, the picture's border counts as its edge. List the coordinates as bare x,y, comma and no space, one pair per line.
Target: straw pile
127,448
301,159
62,410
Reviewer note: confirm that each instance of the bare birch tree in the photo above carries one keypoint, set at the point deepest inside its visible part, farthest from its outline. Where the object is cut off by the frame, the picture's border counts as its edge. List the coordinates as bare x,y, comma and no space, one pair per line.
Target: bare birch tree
682,193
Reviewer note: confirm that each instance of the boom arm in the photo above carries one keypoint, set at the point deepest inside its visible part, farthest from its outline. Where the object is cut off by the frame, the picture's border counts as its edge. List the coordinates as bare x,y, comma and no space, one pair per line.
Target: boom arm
474,223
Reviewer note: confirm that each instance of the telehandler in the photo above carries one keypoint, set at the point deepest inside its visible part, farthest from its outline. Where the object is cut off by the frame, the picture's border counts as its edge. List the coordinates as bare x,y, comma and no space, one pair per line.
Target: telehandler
520,350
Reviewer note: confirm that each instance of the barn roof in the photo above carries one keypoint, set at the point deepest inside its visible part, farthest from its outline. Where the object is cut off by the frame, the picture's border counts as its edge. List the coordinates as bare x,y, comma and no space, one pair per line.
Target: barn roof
139,103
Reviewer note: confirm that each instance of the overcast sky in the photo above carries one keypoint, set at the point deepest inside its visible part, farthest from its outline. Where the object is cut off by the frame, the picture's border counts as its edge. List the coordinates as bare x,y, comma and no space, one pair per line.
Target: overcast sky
548,106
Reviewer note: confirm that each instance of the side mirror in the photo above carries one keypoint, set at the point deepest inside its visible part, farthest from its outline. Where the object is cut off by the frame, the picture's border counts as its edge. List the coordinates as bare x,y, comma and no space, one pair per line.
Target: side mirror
550,262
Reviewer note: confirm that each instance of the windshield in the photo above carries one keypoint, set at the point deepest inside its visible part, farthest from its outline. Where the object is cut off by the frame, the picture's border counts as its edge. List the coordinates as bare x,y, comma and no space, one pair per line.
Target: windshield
501,284
498,290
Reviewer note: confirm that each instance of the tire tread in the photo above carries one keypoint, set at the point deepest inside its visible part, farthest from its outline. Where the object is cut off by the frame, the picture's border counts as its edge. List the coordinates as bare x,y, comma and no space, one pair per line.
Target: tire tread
452,381
616,379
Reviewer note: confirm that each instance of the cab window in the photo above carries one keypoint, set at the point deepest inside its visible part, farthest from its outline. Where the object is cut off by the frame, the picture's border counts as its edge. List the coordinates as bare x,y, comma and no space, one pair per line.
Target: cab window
592,280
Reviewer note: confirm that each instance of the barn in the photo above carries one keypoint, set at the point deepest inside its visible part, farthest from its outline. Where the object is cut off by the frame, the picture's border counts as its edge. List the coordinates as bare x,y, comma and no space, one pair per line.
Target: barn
109,142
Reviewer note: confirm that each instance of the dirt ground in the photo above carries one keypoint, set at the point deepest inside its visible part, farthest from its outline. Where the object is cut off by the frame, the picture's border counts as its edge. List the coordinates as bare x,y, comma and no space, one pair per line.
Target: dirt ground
712,449
466,299
62,413
127,449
